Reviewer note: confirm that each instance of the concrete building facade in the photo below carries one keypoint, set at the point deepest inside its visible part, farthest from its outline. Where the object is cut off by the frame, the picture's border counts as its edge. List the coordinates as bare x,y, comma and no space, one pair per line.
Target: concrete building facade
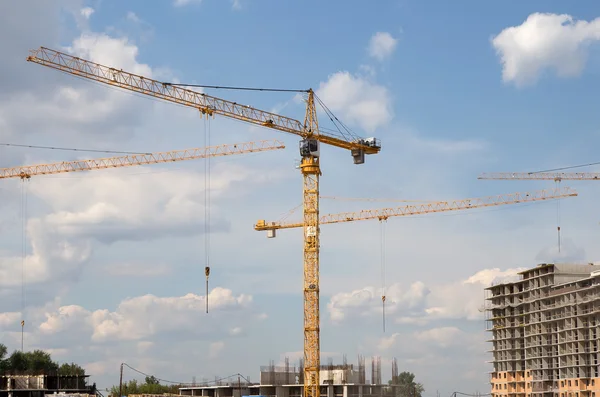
14,385
545,332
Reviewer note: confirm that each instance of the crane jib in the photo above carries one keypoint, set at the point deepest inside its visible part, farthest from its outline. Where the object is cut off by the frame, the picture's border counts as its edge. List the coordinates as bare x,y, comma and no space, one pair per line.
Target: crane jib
205,103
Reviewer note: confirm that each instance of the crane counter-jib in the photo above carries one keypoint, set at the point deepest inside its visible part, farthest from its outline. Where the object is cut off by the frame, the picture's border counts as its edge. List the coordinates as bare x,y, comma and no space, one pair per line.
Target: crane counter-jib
207,104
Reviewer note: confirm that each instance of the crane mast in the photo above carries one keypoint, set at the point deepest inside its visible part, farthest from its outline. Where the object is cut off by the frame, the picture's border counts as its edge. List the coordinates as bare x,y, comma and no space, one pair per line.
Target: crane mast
311,170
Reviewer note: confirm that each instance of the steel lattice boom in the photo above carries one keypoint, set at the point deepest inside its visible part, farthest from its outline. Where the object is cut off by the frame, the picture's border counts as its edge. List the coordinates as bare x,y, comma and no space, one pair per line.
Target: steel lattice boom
552,176
420,209
205,103
140,159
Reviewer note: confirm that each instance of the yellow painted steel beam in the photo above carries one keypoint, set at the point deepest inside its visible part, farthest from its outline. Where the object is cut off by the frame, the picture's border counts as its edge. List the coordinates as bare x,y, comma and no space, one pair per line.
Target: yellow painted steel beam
28,171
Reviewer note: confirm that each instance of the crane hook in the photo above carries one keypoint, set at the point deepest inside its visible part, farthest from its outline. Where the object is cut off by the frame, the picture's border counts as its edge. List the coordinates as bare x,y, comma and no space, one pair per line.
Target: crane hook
383,310
207,273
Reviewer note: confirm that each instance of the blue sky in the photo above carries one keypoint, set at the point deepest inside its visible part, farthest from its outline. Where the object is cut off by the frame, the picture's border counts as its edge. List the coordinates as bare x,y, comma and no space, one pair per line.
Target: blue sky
115,259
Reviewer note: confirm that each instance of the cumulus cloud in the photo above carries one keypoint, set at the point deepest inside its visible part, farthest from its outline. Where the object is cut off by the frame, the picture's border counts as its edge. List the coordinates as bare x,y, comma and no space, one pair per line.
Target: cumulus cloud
180,3
73,110
90,210
356,100
382,45
147,316
419,304
87,12
545,41
137,329
362,301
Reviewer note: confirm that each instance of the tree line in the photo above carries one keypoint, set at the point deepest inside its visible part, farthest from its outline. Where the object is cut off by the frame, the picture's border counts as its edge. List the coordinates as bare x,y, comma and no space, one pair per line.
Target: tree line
37,362
151,385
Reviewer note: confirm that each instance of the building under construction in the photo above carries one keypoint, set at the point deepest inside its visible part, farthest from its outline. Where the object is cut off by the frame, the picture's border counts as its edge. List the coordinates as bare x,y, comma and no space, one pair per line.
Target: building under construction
22,385
345,380
545,332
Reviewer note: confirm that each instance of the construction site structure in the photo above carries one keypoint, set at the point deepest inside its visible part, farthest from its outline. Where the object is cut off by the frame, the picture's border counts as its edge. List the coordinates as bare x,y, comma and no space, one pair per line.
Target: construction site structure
311,138
545,330
24,385
342,380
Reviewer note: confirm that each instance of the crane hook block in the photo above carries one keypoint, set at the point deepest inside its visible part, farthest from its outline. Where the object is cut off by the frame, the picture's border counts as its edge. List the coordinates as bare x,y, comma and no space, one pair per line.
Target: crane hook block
207,271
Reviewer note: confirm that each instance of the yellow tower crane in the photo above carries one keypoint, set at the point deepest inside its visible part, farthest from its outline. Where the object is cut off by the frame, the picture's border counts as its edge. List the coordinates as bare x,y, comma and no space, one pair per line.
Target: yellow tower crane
421,209
311,136
27,171
382,214
544,176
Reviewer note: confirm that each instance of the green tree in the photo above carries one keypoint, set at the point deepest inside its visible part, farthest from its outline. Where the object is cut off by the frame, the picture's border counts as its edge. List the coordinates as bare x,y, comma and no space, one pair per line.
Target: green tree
3,361
36,362
17,362
151,380
151,385
406,385
70,369
40,362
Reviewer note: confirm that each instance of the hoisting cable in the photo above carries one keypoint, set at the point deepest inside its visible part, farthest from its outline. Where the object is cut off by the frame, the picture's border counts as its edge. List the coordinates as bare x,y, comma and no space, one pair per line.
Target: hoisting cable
558,216
383,222
207,206
24,205
224,87
335,121
71,149
566,168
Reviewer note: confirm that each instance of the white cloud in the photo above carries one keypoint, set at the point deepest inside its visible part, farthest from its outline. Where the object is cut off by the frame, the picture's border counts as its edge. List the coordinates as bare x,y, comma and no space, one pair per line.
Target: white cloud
419,304
545,41
87,211
87,12
148,316
136,330
180,3
132,16
382,45
236,4
443,336
9,318
356,100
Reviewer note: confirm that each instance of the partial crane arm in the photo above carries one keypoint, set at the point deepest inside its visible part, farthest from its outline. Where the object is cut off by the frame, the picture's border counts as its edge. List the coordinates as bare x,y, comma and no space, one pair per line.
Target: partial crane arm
140,159
552,176
441,206
205,103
